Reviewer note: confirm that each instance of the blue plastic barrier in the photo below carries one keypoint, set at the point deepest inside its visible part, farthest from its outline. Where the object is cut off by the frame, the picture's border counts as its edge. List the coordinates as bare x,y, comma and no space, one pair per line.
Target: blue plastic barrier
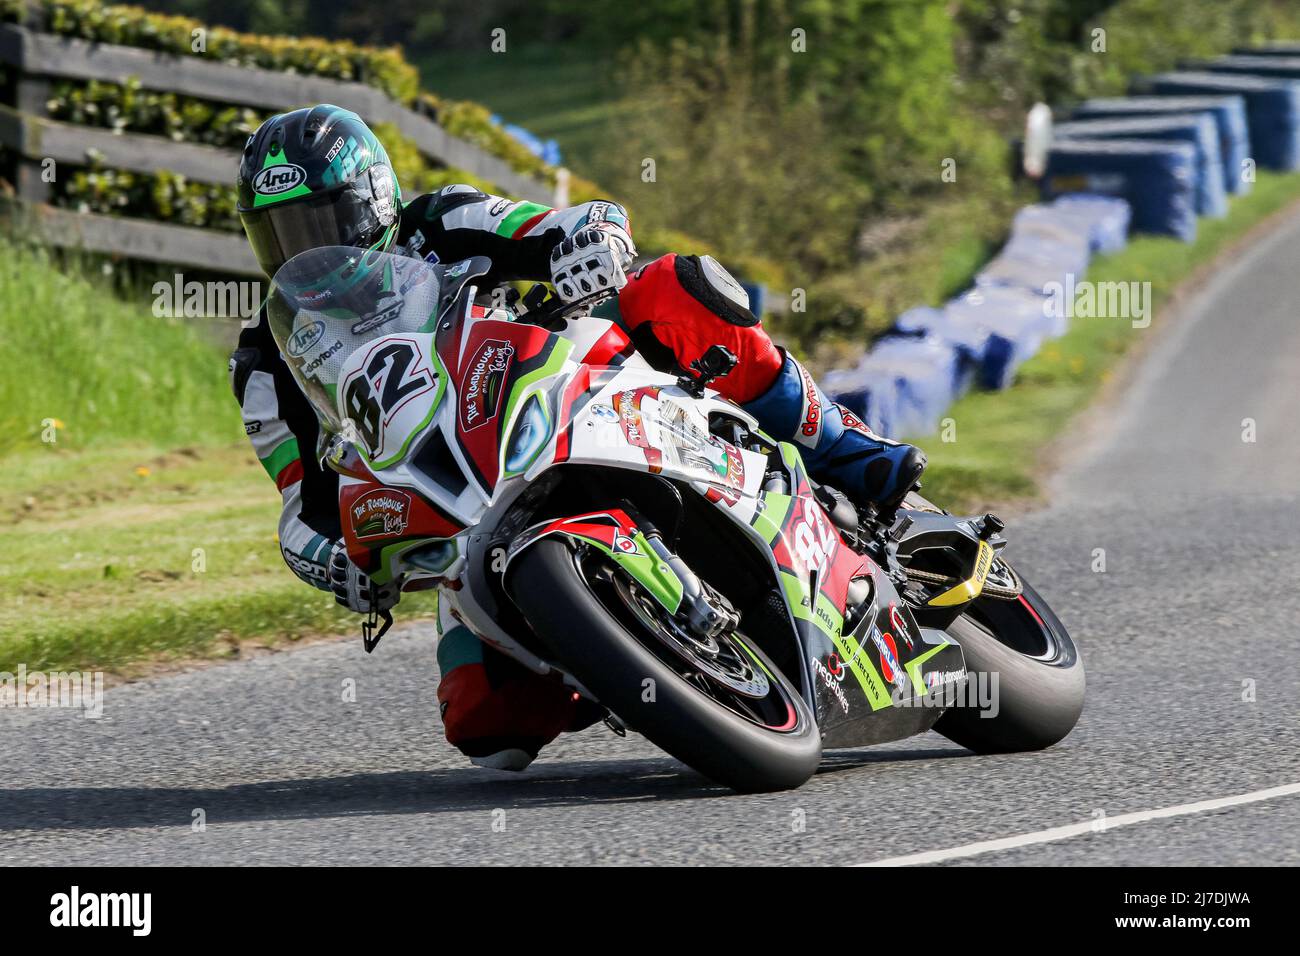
902,386
1199,129
1018,315
989,355
1104,219
928,374
547,150
1048,224
1229,114
1272,110
1157,179
872,398
1272,48
1282,67
1044,246
1031,264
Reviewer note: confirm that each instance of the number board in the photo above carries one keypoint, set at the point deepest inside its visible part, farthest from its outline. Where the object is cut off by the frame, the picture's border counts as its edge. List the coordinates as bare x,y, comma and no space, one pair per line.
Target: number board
388,392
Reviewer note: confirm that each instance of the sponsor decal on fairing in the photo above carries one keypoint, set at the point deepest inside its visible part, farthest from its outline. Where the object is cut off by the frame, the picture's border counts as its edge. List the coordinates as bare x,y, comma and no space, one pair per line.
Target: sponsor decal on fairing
890,669
376,319
304,337
383,513
831,682
482,387
899,625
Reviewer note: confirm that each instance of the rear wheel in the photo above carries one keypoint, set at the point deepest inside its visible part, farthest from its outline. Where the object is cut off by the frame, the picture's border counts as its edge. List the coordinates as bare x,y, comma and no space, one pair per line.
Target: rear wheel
716,703
1026,662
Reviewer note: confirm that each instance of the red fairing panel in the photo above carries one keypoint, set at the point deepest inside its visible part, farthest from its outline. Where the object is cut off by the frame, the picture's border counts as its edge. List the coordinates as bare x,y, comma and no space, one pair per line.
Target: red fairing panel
610,348
375,516
494,354
808,542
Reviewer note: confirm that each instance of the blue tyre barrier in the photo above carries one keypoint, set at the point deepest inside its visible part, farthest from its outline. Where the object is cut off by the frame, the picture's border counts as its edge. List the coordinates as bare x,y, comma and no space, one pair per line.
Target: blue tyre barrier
1229,113
548,150
988,354
871,398
1046,224
1104,219
1272,48
1272,110
1044,246
1030,263
928,374
1281,67
1198,129
1020,318
1157,179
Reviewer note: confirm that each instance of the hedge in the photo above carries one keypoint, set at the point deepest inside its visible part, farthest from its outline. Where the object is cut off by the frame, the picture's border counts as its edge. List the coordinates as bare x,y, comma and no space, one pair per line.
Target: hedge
129,108
169,197
138,110
472,122
385,70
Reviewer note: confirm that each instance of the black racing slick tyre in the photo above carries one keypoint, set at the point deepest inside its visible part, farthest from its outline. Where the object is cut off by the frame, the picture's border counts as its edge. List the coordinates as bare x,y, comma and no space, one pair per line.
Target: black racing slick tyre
760,741
1026,665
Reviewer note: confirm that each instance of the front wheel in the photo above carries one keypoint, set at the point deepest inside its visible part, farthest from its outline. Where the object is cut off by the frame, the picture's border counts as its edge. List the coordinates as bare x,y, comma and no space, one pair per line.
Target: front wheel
717,704
1027,669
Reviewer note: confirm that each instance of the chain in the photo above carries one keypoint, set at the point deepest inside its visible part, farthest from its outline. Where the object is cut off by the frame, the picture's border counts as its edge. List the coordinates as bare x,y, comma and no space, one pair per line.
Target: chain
991,590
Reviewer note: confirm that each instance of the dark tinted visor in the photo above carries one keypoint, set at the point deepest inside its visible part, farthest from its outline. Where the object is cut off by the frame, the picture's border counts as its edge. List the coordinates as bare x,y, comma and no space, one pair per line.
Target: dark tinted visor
343,217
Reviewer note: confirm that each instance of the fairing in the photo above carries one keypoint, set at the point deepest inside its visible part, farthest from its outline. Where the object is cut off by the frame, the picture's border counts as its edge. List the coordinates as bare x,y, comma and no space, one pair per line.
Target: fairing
504,402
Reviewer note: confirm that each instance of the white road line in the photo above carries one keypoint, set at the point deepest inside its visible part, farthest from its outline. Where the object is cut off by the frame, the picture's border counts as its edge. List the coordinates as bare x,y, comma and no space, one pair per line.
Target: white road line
1083,829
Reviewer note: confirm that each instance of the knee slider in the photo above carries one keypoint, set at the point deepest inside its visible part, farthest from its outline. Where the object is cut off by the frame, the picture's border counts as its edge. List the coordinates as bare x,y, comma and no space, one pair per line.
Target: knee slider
715,289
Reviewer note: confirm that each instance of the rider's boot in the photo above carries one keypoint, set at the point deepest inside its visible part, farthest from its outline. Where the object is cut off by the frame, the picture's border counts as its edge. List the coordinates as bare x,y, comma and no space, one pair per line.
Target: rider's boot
496,711
837,446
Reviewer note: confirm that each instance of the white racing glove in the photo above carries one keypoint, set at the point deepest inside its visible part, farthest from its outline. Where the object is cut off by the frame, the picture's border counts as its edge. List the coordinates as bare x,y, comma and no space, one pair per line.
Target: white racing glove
352,586
593,260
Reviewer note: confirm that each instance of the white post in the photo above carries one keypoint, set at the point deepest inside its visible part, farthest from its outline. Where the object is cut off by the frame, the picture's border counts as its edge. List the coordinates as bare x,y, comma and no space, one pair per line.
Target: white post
561,188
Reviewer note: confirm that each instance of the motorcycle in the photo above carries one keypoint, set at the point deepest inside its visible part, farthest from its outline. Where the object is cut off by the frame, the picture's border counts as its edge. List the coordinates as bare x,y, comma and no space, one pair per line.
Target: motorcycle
630,533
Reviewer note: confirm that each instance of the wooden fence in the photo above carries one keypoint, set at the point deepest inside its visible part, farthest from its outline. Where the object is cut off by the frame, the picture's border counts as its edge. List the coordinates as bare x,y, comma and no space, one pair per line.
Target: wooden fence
28,132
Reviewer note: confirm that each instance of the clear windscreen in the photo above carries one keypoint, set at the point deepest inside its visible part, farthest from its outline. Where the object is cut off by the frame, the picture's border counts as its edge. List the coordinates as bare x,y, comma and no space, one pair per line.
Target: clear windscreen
327,302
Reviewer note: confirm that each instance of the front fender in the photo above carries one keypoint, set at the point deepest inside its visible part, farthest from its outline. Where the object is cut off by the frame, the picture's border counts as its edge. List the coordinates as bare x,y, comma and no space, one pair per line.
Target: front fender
615,533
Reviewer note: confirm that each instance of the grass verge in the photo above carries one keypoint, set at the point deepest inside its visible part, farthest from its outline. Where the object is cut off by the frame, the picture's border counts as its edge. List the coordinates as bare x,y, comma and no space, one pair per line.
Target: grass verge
118,546
1001,438
121,554
88,368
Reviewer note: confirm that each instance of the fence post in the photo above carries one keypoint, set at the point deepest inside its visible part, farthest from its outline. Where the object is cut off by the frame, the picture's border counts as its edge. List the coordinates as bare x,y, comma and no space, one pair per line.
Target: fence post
31,96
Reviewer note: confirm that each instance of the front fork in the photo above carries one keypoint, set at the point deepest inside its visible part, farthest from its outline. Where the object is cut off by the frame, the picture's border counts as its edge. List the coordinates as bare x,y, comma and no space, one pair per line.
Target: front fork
703,608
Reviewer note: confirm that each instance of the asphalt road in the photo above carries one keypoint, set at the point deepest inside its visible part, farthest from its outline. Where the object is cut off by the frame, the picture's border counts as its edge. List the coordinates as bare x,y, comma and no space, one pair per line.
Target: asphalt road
1200,594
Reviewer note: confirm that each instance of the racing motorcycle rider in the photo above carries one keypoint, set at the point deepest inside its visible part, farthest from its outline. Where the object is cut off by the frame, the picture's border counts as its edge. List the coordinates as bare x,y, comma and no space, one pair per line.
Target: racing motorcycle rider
319,177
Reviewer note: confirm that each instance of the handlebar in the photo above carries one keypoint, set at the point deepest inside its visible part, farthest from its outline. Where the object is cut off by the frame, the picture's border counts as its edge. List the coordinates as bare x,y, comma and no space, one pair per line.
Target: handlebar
549,310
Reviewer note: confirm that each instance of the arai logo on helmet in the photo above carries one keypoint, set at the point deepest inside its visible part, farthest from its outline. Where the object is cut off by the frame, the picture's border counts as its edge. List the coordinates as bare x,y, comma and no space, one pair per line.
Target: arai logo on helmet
278,179
304,337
